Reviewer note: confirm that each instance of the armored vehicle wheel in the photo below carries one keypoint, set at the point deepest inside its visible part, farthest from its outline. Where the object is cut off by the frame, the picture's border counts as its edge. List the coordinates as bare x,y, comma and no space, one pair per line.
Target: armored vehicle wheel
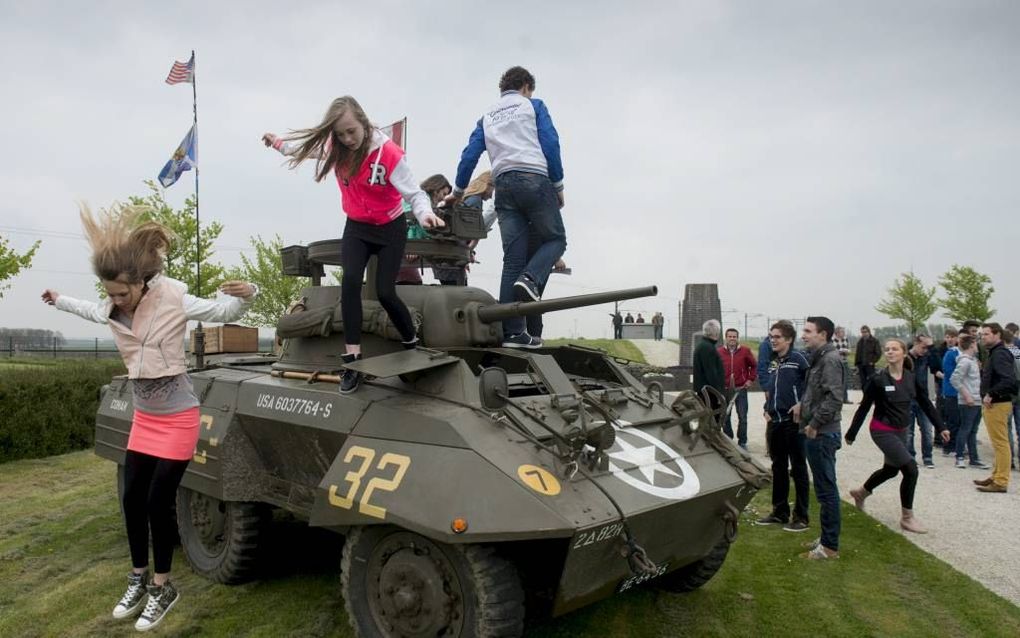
221,540
398,583
690,577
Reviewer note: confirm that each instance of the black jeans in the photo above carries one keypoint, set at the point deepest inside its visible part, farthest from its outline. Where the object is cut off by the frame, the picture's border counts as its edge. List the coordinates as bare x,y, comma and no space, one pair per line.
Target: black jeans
786,448
150,488
864,371
387,244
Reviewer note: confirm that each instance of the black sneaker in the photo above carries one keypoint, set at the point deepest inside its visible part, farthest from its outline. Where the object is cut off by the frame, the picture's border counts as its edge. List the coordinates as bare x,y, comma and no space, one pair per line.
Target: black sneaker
930,464
796,525
771,519
161,599
410,345
133,598
522,340
350,379
526,290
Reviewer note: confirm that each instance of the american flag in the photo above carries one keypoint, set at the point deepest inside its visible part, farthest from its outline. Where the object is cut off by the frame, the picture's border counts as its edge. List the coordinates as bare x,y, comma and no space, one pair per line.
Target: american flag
396,132
182,72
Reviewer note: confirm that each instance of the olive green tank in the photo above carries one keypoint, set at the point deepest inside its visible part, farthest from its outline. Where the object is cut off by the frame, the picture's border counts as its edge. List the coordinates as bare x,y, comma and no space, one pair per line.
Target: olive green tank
467,483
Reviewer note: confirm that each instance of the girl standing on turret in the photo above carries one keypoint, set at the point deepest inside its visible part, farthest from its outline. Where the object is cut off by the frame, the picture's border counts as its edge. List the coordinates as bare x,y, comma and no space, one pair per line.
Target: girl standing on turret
373,177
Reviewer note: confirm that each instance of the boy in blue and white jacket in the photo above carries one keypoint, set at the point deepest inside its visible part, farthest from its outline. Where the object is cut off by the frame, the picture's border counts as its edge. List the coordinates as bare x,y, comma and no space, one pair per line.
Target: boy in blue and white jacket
524,150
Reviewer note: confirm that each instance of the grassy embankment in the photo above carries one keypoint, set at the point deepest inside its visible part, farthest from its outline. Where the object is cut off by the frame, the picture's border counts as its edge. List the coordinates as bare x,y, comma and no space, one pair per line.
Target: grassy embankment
63,557
615,347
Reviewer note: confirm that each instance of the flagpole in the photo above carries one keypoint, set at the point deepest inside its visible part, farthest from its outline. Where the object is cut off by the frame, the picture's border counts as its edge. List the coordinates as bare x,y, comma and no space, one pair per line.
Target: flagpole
198,223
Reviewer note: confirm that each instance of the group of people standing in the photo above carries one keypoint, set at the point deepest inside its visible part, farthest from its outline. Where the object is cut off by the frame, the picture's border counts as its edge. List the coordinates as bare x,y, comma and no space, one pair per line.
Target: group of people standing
805,392
657,322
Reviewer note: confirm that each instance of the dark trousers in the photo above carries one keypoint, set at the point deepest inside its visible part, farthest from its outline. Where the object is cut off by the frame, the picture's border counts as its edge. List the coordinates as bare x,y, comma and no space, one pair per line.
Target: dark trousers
740,405
617,331
150,488
787,451
821,455
356,252
526,203
864,372
951,415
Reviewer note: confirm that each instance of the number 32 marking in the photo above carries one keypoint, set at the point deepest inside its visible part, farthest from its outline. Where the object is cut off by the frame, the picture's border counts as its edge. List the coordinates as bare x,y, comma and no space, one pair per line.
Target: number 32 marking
355,476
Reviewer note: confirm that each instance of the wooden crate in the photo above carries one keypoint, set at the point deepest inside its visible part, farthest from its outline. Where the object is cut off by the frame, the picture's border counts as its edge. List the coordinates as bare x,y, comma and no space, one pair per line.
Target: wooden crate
228,338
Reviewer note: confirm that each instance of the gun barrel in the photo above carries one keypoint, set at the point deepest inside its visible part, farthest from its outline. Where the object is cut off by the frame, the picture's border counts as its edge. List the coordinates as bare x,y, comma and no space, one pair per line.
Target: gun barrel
498,312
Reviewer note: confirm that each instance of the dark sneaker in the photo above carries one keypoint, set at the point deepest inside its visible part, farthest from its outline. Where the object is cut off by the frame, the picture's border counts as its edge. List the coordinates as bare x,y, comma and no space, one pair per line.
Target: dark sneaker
796,525
980,465
929,464
526,290
133,598
350,379
161,599
410,345
771,519
522,340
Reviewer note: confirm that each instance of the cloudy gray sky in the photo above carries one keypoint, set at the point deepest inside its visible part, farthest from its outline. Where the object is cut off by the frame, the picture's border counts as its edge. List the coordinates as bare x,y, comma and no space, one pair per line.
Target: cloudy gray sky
800,154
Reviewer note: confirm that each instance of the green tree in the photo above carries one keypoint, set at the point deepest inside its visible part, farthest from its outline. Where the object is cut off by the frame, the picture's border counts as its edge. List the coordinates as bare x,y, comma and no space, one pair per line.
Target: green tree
180,261
908,300
967,294
12,263
276,290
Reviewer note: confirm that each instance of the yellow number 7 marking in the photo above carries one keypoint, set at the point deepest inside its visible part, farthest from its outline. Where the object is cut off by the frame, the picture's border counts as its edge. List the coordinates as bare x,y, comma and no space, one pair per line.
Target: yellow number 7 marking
354,478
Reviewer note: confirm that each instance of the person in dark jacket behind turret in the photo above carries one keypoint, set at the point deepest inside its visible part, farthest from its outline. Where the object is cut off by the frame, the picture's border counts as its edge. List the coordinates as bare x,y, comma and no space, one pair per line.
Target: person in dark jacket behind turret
784,384
868,353
819,415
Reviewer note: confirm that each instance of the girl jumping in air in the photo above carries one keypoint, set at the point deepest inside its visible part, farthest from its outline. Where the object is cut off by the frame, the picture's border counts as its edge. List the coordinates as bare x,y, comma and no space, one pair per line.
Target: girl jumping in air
373,177
891,392
148,314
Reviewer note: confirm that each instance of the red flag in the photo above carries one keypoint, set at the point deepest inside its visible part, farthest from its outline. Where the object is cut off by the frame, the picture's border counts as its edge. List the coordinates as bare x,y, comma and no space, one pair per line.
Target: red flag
396,132
182,72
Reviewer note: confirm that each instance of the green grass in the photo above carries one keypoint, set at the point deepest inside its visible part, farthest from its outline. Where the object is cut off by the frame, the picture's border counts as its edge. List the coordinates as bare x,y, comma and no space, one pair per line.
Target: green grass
63,558
622,348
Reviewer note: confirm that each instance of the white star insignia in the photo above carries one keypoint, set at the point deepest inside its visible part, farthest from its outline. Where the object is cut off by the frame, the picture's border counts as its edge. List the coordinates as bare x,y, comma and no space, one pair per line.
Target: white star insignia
641,457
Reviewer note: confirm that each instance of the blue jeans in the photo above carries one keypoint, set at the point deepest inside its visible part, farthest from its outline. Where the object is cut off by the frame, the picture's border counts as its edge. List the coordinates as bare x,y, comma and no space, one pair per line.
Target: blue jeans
527,202
821,455
740,405
966,436
926,428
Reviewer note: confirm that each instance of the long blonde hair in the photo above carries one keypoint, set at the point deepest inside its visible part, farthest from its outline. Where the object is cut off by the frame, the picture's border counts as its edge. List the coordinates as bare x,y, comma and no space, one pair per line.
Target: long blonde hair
479,184
321,141
123,244
908,363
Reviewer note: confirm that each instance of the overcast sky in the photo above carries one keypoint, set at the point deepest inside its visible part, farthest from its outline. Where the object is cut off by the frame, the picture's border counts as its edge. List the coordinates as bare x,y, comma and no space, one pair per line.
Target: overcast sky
799,154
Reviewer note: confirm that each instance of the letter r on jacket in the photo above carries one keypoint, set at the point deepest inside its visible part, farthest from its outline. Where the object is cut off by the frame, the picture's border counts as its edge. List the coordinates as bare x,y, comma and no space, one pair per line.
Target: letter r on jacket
378,175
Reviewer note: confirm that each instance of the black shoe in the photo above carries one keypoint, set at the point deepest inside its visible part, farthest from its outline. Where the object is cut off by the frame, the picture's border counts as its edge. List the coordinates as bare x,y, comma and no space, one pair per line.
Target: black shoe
796,525
522,340
351,379
161,599
526,290
410,345
771,519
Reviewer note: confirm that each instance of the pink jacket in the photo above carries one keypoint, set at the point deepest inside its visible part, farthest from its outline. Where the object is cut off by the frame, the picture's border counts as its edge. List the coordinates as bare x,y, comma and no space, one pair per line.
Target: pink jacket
153,346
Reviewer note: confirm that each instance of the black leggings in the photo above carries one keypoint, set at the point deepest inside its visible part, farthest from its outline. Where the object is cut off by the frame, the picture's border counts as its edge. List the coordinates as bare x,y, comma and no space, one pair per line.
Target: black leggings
356,251
150,487
907,486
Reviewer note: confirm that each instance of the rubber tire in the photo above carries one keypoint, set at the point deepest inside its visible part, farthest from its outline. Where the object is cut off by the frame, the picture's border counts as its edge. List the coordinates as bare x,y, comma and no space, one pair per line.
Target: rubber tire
244,529
494,609
690,577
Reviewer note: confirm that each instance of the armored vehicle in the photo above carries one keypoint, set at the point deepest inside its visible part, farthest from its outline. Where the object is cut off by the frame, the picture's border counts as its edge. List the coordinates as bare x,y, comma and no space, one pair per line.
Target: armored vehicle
465,479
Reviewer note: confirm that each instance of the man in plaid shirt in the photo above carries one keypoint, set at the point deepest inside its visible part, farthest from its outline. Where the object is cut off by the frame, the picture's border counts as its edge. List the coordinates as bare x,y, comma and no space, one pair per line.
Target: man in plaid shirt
843,348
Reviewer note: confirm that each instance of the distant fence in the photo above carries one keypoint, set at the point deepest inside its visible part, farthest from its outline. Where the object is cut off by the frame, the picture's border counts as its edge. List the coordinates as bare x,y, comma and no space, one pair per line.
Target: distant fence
76,349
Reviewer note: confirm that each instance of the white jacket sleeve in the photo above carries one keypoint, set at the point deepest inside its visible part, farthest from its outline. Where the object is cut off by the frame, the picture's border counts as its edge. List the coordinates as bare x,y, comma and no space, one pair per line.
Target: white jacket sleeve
959,374
84,309
403,180
223,309
288,148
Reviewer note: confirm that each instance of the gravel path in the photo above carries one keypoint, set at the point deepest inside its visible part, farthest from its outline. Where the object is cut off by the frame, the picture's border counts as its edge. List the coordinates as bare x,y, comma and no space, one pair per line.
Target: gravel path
658,353
974,532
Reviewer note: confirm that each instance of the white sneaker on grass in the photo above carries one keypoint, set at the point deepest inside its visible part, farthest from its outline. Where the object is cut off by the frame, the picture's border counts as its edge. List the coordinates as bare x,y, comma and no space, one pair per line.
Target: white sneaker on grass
133,598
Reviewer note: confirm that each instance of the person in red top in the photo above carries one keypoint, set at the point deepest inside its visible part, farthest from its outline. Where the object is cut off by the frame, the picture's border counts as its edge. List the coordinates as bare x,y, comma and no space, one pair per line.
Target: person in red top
373,177
740,370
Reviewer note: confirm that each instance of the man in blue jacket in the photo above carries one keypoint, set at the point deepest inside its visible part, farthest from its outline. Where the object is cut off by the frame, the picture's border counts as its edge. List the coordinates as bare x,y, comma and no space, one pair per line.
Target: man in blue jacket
784,386
524,150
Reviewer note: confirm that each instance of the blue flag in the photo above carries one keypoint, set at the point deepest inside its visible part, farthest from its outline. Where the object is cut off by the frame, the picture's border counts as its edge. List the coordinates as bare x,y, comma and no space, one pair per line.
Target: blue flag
183,159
